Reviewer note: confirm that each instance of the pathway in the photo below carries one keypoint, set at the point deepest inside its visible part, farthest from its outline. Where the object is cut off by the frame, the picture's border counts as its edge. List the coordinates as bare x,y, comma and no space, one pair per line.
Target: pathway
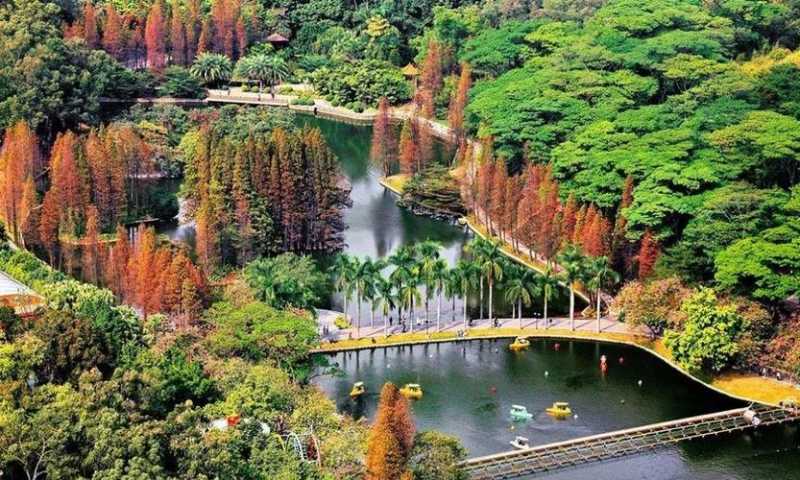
529,326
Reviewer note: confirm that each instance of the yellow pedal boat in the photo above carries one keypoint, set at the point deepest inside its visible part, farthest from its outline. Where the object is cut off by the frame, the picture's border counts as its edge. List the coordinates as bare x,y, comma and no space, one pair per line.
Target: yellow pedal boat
519,344
412,390
358,390
559,410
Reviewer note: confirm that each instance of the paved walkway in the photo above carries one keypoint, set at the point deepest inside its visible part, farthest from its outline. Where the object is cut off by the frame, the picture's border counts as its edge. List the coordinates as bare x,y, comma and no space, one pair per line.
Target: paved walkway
529,325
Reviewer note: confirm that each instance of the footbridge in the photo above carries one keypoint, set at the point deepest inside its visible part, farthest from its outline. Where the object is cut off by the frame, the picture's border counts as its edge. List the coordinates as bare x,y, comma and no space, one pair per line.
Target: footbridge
595,448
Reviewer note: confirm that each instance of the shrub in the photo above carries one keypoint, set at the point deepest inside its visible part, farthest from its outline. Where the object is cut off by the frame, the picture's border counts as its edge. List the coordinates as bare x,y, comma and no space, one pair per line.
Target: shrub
179,83
303,99
365,82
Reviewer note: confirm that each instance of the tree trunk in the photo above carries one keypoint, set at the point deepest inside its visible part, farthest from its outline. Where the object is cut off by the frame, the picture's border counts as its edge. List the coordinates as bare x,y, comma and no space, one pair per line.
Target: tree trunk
491,293
545,314
466,320
481,302
520,314
358,317
572,307
598,310
439,312
413,316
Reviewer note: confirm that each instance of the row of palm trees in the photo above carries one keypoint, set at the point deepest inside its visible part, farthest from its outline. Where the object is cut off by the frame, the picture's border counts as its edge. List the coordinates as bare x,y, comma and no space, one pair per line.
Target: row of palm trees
417,274
214,69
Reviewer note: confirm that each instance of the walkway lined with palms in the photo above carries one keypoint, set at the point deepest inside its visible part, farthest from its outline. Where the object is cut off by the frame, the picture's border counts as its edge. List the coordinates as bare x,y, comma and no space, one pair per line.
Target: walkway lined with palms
415,278
529,326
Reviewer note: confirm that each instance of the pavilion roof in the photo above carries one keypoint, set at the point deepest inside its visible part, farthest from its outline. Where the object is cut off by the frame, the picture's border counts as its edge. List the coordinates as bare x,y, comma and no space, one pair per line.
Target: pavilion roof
410,70
277,38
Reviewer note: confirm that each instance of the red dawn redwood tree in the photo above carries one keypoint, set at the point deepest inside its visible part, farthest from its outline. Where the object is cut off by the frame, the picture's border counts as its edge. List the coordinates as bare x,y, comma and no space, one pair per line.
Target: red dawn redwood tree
391,438
90,247
648,254
112,32
155,34
90,35
192,28
177,35
382,149
19,161
458,102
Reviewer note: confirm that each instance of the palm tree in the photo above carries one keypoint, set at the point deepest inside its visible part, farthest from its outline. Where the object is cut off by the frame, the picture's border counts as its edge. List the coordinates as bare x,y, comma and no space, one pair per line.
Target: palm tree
427,256
211,68
476,248
408,293
342,272
452,287
573,263
491,264
275,71
262,68
600,274
469,274
385,293
548,283
438,275
363,278
404,262
517,293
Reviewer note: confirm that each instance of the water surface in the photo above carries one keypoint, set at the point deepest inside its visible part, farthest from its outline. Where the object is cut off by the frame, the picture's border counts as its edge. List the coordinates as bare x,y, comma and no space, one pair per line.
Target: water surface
470,387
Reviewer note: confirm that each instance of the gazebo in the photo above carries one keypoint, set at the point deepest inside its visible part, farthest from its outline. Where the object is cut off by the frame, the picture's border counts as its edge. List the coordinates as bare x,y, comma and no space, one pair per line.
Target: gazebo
277,40
411,72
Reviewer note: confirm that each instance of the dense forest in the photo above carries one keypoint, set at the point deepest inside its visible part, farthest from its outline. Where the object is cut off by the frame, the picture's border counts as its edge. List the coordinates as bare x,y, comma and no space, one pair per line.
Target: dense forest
267,193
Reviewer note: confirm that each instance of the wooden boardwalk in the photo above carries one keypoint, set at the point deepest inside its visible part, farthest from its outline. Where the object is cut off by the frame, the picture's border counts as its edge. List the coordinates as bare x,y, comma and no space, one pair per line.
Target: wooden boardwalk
556,456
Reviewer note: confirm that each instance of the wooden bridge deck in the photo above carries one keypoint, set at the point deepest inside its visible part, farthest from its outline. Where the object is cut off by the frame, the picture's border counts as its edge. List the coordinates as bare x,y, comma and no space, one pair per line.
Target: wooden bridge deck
555,456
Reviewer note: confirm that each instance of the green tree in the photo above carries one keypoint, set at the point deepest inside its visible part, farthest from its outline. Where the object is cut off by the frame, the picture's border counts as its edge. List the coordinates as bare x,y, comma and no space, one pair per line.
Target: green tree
600,275
469,276
286,280
212,68
548,283
573,264
36,437
492,264
342,273
766,145
709,337
180,83
261,68
428,256
437,456
256,331
765,267
517,292
405,278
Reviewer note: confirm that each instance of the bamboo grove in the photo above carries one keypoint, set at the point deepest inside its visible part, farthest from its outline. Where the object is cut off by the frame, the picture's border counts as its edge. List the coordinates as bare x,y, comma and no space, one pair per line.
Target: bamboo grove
268,193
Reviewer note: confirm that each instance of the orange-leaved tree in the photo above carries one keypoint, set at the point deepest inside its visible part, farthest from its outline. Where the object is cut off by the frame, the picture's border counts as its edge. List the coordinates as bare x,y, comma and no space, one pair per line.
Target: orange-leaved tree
391,438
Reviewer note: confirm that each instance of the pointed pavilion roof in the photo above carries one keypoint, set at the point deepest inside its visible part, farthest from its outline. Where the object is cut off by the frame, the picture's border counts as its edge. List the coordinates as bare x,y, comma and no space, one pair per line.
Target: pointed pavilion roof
277,38
410,70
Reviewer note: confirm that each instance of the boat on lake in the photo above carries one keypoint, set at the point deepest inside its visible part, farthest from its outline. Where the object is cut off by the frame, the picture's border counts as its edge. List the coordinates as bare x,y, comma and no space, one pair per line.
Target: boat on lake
559,410
357,390
412,391
519,344
520,413
520,443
